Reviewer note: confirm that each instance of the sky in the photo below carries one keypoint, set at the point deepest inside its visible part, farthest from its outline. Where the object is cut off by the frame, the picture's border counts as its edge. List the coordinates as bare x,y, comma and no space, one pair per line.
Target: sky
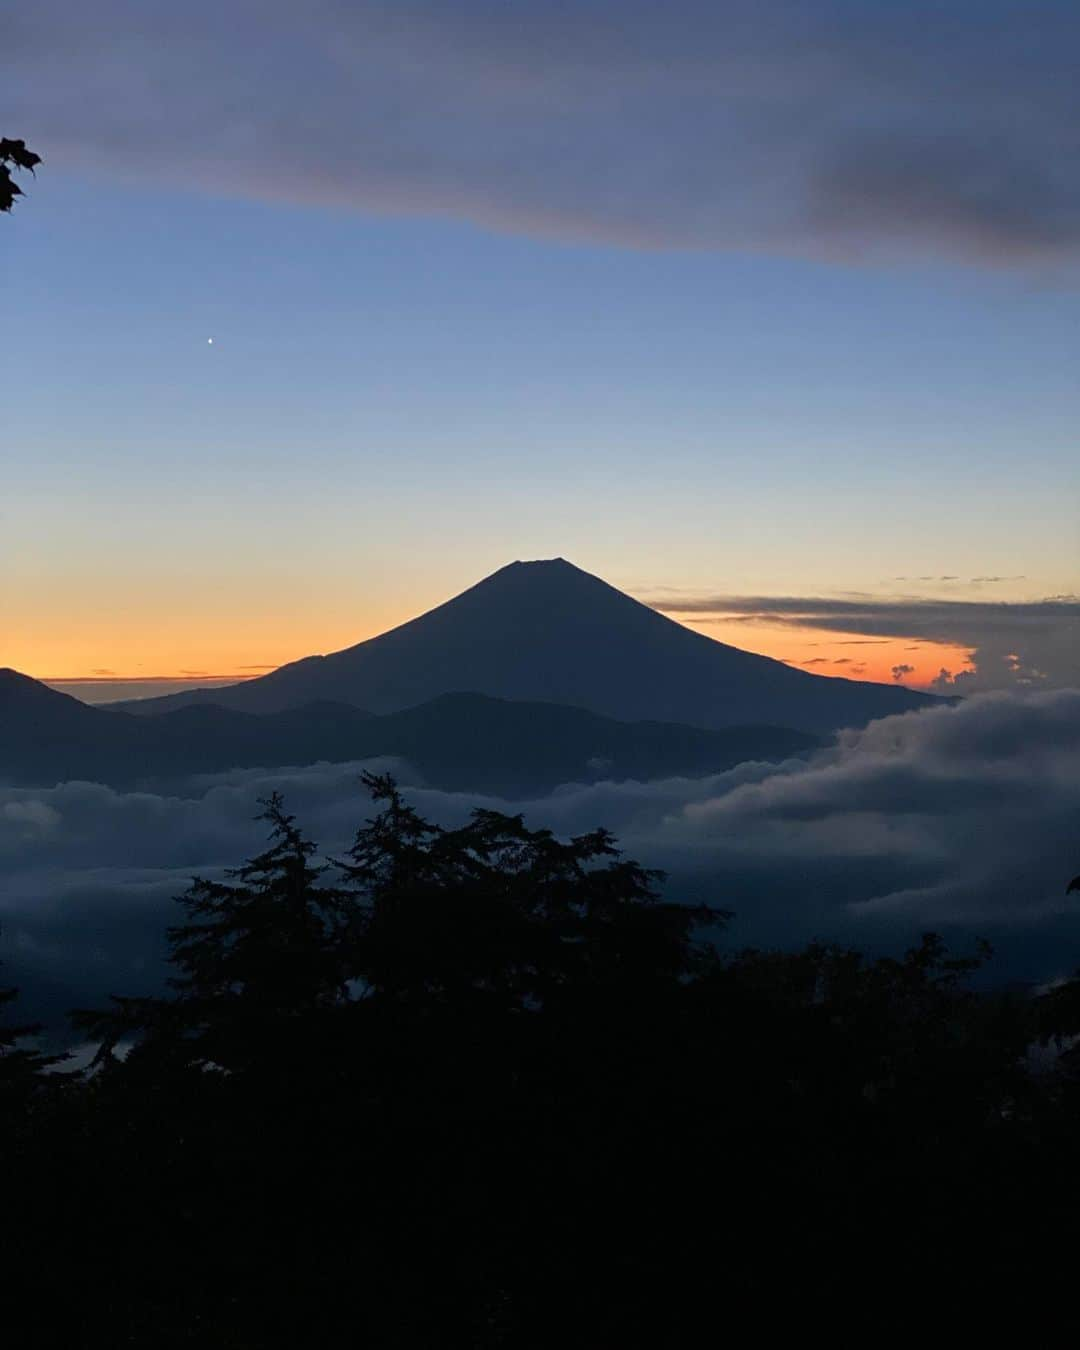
766,313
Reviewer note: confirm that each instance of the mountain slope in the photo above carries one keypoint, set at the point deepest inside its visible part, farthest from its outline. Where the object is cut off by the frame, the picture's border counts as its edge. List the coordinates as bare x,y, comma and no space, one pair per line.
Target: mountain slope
464,742
48,737
546,631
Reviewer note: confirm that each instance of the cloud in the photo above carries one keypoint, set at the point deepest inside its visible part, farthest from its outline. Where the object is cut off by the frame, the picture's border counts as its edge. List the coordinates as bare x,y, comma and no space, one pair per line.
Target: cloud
960,818
898,672
964,189
1021,645
107,689
830,129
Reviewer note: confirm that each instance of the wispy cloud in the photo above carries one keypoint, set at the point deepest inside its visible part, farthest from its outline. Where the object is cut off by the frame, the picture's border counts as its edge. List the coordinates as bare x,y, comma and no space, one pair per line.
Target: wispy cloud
107,688
1026,644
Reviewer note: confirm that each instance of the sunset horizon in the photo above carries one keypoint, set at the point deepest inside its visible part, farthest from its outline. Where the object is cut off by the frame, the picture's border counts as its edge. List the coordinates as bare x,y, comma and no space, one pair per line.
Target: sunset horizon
824,651
539,670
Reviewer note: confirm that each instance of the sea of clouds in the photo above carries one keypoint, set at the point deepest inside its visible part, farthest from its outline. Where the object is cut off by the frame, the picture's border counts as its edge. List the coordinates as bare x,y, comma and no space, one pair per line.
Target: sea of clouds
962,819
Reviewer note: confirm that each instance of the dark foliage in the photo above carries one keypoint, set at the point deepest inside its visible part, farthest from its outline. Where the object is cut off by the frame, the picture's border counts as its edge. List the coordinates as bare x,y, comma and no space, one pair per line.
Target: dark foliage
23,1066
262,955
14,155
483,1087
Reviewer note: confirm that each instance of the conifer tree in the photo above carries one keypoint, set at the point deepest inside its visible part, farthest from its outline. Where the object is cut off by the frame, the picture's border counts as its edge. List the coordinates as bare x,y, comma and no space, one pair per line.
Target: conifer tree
261,954
22,1064
495,909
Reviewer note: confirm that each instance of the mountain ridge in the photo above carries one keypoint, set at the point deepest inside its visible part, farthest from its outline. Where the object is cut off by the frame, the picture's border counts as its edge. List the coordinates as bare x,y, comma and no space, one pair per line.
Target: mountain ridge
546,631
457,742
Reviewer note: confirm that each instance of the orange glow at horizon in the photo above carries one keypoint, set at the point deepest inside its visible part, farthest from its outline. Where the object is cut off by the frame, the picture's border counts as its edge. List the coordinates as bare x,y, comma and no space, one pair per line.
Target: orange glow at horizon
837,653
185,647
233,651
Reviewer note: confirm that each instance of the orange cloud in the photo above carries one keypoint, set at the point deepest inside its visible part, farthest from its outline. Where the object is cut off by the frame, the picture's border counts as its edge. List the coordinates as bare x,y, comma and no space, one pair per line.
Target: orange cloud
843,654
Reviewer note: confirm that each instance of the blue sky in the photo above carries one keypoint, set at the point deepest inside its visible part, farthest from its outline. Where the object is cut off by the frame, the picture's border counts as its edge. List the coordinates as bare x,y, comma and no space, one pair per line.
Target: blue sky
427,364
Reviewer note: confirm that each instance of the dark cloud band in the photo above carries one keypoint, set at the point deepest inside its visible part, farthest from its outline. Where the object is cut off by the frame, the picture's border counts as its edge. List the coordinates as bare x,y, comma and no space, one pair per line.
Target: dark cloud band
832,128
1022,644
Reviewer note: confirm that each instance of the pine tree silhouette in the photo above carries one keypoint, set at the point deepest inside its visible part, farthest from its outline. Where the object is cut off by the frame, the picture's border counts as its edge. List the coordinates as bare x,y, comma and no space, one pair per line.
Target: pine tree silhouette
23,1066
261,953
485,1086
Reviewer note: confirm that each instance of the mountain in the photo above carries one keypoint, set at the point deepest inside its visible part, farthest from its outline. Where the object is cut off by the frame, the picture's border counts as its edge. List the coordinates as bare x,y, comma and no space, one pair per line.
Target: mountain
48,737
22,697
549,632
459,742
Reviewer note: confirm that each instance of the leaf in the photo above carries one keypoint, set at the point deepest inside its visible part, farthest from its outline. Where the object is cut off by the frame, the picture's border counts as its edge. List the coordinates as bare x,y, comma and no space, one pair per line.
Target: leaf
15,152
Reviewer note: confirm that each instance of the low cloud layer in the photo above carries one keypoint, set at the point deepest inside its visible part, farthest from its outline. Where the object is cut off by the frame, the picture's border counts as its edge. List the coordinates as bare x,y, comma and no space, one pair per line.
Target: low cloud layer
1013,646
832,129
962,818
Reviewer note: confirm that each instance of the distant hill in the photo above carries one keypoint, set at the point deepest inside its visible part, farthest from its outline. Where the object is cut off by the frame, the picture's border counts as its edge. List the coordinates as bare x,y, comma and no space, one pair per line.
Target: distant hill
465,742
547,631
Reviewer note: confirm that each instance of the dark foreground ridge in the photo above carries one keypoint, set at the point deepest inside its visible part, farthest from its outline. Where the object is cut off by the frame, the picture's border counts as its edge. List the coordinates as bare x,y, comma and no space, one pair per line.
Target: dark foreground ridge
549,632
482,1088
464,742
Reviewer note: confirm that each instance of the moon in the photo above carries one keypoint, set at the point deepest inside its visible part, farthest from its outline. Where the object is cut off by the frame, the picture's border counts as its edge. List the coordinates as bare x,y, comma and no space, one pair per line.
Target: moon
210,341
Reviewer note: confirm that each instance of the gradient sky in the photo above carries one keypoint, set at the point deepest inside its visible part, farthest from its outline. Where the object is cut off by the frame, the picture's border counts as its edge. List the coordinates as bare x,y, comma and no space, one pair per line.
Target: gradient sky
717,301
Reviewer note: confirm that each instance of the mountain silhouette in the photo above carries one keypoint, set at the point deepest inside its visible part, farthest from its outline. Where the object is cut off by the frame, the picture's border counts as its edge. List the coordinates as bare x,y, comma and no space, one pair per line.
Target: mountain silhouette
547,631
459,742
39,722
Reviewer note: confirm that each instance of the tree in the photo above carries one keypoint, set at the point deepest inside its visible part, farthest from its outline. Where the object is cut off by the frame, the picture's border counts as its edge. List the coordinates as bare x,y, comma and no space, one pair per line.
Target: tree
483,1086
14,155
22,1064
497,911
388,1043
492,914
261,953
